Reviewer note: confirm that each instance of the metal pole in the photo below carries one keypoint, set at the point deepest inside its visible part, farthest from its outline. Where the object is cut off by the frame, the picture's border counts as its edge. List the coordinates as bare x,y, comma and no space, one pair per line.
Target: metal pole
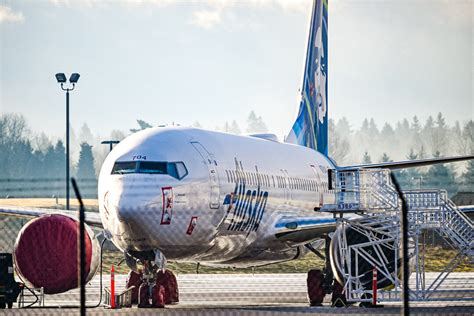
404,232
82,249
67,149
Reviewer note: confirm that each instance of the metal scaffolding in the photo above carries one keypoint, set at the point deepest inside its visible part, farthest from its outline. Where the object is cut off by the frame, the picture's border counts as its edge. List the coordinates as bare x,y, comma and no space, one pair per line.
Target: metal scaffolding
372,236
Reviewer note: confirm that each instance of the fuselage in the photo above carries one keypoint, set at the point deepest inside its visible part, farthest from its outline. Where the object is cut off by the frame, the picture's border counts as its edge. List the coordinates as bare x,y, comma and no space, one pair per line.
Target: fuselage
208,196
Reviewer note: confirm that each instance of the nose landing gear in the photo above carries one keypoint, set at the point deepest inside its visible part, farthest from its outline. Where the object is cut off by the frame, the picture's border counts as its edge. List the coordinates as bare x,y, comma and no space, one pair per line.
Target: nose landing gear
155,286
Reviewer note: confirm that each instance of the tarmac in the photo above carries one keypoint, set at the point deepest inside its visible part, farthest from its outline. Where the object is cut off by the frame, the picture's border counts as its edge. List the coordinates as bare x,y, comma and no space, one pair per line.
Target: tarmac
254,294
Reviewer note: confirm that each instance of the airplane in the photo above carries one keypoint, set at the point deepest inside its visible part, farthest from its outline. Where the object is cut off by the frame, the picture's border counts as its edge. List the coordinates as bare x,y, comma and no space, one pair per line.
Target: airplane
186,194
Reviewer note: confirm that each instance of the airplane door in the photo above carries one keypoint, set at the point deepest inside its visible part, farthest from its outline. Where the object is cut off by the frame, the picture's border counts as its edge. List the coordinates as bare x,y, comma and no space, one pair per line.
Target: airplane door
211,164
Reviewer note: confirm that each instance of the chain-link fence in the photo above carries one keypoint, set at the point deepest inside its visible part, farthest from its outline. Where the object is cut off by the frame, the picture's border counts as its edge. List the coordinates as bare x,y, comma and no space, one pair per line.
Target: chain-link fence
200,286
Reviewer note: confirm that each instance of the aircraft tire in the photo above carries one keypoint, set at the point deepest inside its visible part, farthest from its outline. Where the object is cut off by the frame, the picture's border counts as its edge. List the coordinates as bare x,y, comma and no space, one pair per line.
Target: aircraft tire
315,283
158,296
134,279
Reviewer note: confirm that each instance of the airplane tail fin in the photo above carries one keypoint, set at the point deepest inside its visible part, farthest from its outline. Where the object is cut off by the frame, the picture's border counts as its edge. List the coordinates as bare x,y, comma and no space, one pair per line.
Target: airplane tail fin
311,126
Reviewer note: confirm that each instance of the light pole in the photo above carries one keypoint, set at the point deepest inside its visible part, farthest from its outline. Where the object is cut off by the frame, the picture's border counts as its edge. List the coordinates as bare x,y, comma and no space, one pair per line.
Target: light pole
61,78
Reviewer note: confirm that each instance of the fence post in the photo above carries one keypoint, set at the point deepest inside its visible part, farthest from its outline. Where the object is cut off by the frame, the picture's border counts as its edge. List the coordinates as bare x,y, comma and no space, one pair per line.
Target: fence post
112,287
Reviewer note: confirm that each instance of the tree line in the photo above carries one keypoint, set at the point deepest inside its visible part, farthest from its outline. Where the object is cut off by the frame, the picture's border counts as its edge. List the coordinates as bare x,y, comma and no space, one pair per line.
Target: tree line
35,165
26,171
409,140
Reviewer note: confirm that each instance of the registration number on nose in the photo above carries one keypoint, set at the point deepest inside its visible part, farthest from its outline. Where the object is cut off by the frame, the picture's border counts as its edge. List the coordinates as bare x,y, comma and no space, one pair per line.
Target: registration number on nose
139,157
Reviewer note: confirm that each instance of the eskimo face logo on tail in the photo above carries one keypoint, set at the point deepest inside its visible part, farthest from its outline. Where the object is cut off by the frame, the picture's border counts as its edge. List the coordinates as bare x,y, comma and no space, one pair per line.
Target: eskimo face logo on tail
245,206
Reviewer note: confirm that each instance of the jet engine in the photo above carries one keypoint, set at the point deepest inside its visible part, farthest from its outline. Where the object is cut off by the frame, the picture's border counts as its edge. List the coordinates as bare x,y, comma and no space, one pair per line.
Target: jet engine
46,253
384,250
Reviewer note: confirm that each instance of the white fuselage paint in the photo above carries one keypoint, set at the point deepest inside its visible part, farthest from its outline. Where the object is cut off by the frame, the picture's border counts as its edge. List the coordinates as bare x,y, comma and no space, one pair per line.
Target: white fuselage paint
131,205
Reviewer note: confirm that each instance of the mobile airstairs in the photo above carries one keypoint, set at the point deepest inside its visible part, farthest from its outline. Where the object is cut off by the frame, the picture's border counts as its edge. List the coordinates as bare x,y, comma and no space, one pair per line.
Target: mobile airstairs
370,196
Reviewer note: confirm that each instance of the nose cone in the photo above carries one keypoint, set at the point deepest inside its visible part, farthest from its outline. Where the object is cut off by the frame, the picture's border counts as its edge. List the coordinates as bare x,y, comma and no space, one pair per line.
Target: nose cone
132,201
134,207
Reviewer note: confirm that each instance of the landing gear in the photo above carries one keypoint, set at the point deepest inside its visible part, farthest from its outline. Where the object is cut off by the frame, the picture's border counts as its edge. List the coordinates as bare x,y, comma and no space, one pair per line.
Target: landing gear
134,279
321,282
151,295
155,286
316,290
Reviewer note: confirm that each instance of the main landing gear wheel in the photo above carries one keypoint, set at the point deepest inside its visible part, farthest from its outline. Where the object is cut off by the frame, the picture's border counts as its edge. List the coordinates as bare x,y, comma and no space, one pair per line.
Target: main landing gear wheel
134,279
316,291
321,282
168,280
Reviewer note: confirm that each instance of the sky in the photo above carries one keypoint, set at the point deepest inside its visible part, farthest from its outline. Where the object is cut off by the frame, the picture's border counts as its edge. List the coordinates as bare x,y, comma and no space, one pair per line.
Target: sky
170,61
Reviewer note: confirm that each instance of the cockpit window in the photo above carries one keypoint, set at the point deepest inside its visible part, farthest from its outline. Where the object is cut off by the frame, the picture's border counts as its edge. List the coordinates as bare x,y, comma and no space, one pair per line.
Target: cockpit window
124,167
181,170
175,169
153,167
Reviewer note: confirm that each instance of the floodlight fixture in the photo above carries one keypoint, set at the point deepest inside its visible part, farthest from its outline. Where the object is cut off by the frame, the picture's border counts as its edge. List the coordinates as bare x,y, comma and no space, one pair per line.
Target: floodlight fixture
74,77
61,77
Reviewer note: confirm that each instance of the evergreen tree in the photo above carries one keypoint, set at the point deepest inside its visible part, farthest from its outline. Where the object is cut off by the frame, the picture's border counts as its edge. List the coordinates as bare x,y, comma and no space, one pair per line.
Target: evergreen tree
415,125
234,128
412,155
143,125
422,152
338,145
387,132
366,159
373,130
467,179
410,177
54,168
255,124
468,137
343,127
85,135
364,129
440,176
197,124
117,135
226,127
440,135
86,178
59,160
386,158
427,134
85,165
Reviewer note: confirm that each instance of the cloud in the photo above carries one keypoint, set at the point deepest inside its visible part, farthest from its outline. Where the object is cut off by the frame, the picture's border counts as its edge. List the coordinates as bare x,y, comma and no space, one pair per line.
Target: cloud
206,18
8,15
209,12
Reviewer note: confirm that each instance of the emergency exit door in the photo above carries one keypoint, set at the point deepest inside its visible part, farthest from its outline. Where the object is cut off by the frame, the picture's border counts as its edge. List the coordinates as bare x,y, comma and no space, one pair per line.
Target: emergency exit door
211,164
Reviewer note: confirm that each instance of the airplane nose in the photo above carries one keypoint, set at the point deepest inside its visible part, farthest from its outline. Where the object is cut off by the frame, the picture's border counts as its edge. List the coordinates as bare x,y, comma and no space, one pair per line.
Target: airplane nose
133,203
